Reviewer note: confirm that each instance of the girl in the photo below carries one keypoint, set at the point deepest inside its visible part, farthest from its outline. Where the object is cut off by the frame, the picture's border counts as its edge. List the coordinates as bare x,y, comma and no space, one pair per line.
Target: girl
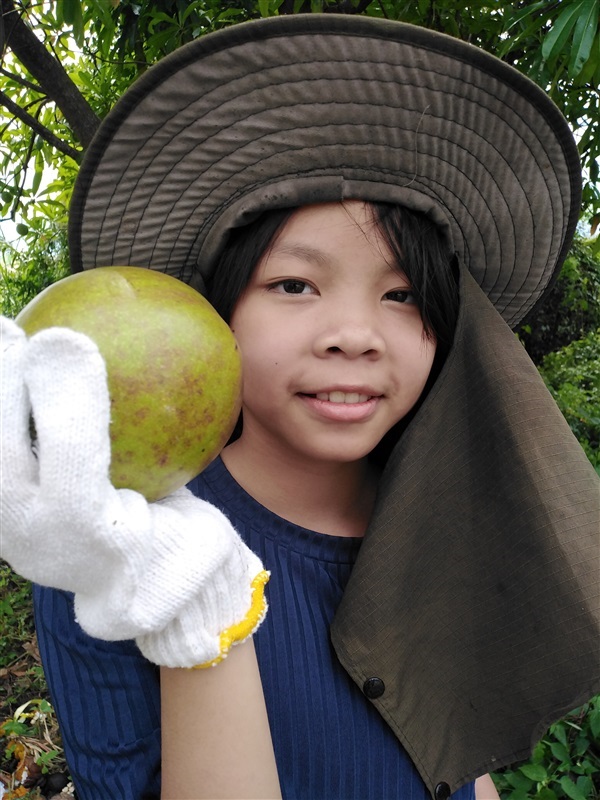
347,190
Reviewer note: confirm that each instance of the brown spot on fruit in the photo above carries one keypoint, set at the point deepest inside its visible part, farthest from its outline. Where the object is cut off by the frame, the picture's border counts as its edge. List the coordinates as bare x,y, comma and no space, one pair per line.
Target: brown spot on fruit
174,370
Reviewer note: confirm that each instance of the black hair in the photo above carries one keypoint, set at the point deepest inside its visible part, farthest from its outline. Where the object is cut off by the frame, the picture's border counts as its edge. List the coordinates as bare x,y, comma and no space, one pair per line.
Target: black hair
243,250
419,248
420,251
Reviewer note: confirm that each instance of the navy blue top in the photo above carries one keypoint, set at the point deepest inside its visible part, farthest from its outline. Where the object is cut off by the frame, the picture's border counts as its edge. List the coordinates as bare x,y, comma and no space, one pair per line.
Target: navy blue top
330,742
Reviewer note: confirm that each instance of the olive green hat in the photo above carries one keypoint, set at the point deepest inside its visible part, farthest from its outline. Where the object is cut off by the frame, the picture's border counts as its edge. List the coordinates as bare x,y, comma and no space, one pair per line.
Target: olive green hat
313,108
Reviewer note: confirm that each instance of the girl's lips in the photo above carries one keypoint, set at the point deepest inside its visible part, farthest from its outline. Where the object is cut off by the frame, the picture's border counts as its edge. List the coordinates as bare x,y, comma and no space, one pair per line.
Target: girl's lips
340,406
343,397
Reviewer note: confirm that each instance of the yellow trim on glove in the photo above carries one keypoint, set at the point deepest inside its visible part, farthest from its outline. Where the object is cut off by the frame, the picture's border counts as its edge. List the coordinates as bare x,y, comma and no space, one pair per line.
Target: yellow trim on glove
240,631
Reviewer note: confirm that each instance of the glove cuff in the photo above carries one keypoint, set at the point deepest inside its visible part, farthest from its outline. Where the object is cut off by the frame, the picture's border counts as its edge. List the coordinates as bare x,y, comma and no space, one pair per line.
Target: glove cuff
192,641
240,631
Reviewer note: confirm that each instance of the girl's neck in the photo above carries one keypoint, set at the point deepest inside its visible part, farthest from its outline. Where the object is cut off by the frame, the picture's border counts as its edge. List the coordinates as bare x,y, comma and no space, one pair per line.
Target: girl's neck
332,498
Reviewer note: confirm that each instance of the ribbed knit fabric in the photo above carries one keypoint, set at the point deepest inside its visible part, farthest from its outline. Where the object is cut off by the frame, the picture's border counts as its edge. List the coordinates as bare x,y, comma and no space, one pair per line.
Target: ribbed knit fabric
330,742
107,700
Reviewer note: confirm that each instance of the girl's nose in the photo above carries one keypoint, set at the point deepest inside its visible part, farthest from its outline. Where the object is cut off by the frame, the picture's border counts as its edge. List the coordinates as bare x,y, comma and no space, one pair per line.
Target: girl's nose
350,335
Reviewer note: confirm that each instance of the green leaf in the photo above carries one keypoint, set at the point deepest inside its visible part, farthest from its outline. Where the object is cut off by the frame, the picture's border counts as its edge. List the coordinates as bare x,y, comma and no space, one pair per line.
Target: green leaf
529,9
519,780
159,17
581,745
559,751
190,9
263,7
536,772
37,179
43,759
557,37
538,754
559,732
73,16
5,607
15,728
570,789
594,715
585,784
519,794
545,794
583,36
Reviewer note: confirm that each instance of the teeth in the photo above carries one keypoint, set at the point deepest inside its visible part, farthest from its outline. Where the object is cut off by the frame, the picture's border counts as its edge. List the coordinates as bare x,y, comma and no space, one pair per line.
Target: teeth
343,397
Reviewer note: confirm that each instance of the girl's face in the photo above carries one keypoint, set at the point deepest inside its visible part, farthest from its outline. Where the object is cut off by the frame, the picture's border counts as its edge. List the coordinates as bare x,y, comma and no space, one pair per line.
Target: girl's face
332,343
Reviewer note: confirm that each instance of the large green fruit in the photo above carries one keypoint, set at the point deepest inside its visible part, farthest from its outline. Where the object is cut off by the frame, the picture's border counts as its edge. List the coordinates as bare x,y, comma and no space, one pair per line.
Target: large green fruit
174,372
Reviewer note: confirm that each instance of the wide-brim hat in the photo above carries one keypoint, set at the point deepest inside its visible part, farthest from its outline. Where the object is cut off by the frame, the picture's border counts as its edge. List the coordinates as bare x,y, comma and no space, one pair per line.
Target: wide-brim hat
314,108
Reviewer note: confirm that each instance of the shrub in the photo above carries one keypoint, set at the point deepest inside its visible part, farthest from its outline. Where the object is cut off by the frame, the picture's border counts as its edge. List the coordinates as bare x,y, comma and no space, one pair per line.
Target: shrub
572,307
573,378
23,275
565,763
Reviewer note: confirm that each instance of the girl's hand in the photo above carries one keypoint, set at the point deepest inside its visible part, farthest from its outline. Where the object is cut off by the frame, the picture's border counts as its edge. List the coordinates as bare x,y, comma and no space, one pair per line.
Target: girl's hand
174,574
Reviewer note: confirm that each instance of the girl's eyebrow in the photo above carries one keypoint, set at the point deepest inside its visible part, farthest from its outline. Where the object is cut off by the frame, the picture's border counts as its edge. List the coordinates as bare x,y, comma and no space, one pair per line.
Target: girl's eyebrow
303,252
308,253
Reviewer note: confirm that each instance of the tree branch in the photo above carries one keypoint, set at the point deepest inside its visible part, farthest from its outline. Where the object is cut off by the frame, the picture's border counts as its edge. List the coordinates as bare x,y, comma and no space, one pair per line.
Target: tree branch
21,184
18,79
50,74
39,129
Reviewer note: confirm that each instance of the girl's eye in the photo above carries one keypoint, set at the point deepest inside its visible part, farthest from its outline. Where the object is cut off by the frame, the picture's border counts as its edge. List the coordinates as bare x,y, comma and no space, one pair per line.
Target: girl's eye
291,286
401,296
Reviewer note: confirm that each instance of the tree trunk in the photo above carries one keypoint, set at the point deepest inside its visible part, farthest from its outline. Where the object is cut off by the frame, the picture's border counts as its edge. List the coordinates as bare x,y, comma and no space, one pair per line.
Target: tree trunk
49,73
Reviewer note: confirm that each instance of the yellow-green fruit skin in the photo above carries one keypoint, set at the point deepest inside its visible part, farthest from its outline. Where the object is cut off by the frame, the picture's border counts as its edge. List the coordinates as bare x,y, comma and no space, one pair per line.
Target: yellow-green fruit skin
174,370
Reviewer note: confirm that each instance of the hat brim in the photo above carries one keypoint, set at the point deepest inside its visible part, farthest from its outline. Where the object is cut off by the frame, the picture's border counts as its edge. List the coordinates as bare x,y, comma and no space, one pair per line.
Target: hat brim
316,108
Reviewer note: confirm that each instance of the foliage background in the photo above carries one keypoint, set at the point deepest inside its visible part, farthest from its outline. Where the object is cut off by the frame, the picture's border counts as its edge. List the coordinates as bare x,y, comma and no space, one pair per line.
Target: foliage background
65,63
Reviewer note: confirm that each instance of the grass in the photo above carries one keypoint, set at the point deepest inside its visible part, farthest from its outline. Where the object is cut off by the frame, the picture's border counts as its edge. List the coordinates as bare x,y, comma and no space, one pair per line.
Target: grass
32,764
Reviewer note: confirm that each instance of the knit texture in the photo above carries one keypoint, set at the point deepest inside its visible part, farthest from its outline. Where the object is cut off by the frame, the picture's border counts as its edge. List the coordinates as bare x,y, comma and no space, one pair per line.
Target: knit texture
172,574
330,742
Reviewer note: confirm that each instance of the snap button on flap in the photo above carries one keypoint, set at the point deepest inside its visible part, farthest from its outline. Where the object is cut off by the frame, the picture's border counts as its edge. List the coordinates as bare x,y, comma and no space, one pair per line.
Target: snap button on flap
373,688
442,791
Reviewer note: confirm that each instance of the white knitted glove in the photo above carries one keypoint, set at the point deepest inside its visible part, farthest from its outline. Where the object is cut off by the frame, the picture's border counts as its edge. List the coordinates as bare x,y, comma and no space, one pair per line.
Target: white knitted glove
173,574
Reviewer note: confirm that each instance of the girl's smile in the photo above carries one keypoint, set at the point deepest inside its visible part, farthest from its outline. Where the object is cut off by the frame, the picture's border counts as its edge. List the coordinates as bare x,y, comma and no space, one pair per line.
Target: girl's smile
343,405
333,347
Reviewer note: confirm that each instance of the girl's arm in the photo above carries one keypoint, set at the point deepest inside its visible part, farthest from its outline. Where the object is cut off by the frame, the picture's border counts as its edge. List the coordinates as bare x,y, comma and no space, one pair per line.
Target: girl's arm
216,741
485,789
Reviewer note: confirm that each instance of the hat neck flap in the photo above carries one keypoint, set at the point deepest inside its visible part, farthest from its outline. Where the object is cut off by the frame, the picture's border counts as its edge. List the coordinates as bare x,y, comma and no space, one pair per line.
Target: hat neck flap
475,594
